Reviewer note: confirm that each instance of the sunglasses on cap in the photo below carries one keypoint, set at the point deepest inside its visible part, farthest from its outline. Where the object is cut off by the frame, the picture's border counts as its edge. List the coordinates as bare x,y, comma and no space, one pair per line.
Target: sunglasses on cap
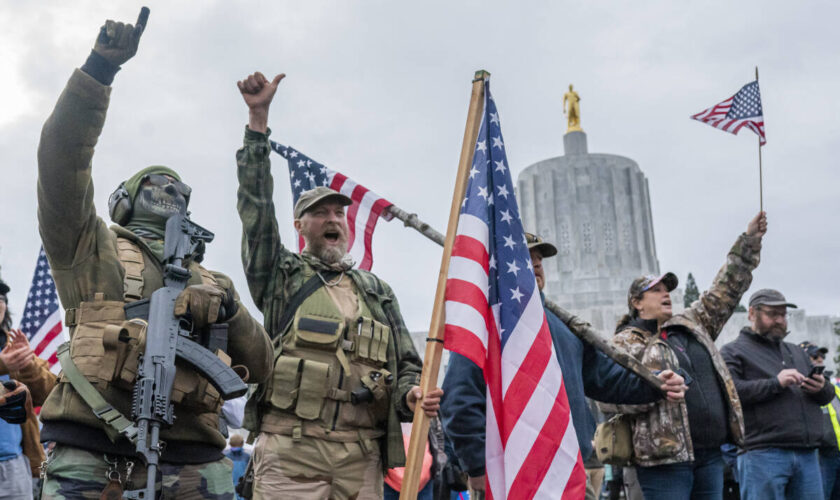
163,180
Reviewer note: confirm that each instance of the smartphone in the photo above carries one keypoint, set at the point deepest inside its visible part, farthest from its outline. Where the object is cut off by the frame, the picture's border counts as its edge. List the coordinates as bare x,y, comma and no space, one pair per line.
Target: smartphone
816,370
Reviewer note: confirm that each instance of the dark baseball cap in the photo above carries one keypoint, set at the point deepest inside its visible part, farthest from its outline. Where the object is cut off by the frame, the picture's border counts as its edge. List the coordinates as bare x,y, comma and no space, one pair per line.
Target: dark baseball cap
769,297
309,199
543,247
4,288
812,349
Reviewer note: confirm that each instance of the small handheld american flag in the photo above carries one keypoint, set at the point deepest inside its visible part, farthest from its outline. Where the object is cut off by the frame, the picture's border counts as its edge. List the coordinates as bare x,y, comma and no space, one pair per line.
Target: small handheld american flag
41,320
741,110
362,215
495,317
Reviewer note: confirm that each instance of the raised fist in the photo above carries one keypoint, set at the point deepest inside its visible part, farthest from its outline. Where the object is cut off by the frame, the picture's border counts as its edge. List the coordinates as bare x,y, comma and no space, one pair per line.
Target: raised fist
758,226
117,42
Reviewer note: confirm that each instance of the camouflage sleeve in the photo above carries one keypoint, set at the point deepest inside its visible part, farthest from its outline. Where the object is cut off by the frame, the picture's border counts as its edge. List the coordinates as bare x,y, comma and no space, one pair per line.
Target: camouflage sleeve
636,346
717,303
248,344
261,246
66,214
409,365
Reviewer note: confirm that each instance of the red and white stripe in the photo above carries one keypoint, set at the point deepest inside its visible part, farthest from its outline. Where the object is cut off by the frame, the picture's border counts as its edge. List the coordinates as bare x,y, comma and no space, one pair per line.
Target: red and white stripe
716,117
46,340
362,217
531,445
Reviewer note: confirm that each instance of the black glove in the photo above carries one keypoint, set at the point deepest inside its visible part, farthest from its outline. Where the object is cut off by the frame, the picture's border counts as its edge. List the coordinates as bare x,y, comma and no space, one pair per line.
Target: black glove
13,402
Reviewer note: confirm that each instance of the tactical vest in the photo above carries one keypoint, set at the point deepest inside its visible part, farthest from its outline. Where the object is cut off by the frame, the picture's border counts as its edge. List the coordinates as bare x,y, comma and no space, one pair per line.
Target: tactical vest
106,347
329,378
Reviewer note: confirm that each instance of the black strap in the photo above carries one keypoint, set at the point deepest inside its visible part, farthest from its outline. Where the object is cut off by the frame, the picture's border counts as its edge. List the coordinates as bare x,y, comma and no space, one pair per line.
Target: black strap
311,286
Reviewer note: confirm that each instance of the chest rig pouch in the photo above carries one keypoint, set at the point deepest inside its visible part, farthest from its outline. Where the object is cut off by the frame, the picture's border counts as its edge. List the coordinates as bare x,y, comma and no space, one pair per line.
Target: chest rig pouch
109,337
331,367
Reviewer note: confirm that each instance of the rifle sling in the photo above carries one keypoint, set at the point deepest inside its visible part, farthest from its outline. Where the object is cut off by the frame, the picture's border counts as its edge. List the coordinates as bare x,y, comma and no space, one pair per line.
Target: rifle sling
116,423
311,286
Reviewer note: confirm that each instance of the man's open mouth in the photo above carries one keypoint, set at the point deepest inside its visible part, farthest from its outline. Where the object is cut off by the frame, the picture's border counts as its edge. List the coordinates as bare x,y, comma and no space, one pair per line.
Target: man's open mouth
332,236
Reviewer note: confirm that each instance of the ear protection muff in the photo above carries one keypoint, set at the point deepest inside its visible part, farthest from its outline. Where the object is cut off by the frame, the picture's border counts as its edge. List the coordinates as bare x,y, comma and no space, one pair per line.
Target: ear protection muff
119,205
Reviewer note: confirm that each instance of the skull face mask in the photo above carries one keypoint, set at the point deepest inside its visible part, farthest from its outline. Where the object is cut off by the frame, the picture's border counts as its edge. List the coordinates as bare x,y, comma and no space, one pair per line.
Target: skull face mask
160,197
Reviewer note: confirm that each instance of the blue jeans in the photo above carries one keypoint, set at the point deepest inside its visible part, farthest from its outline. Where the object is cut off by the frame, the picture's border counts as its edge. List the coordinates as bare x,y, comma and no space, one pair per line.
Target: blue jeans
780,473
426,493
700,479
830,468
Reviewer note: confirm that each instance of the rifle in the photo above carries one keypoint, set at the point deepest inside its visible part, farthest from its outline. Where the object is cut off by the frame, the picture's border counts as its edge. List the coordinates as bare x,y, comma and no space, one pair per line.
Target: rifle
169,337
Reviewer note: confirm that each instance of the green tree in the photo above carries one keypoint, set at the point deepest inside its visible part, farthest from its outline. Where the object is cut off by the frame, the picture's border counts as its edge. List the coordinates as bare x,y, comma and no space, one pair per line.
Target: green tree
691,291
740,308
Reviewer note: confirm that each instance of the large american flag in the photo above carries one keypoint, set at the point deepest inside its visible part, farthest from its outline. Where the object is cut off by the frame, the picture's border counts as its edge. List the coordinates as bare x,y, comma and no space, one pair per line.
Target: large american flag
741,110
495,317
41,320
362,215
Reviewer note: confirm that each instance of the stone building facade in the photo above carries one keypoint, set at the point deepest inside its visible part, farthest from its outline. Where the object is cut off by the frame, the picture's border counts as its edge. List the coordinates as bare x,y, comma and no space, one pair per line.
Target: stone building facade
595,208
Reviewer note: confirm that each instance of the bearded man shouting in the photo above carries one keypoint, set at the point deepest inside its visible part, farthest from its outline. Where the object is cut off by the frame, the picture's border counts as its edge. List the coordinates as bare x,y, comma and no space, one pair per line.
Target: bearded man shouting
345,371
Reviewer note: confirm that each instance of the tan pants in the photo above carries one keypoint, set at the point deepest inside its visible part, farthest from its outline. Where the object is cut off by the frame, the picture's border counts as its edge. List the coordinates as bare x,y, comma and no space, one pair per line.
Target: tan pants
315,469
594,480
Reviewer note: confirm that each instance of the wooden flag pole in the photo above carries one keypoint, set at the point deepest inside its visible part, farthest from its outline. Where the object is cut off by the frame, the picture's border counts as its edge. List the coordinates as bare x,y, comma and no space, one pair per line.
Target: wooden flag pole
434,342
760,173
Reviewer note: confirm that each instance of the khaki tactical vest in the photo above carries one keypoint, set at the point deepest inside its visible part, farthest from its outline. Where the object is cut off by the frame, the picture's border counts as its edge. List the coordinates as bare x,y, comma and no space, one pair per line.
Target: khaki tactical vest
329,378
106,347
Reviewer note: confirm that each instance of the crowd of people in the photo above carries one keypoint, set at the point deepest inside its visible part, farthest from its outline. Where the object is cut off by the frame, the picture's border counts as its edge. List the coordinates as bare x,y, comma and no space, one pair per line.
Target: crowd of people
334,372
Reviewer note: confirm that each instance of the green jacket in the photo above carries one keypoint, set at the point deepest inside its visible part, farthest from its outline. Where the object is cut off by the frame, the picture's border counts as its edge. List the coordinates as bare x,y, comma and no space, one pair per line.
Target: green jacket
275,273
82,252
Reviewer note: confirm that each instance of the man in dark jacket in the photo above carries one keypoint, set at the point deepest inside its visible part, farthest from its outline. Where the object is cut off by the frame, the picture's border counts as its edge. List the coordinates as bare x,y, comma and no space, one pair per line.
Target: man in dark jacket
586,373
781,404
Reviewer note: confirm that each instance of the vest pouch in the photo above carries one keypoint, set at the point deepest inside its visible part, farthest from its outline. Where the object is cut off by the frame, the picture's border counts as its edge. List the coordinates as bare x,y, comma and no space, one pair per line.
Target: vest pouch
86,338
123,344
313,389
287,374
318,332
371,341
191,390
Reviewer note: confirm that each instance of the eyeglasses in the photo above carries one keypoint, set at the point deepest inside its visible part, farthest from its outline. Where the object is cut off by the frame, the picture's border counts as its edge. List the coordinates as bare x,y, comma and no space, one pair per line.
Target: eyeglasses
774,314
163,180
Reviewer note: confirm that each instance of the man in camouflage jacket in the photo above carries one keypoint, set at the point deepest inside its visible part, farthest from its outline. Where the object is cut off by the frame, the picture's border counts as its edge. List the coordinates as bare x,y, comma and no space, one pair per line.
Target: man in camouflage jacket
662,433
90,268
303,453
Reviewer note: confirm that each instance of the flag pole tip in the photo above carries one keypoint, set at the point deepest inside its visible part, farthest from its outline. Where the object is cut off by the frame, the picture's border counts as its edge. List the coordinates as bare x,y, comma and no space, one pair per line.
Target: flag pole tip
482,74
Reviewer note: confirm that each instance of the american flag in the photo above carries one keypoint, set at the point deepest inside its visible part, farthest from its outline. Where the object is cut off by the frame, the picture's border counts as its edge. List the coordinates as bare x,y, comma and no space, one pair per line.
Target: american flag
741,110
41,320
495,317
362,215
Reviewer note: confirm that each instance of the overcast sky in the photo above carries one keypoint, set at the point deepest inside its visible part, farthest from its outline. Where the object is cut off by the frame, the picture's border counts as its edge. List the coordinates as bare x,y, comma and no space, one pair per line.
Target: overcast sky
379,90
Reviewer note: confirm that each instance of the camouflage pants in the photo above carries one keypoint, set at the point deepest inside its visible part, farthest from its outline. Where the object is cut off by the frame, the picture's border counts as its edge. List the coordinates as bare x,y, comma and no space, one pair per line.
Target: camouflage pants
315,469
76,474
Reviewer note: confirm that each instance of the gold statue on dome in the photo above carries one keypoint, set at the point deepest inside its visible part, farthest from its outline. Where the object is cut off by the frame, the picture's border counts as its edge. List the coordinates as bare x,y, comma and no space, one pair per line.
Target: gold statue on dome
573,110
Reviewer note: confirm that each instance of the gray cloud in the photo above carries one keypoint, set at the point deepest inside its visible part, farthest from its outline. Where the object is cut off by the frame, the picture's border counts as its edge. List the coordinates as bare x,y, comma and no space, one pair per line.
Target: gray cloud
380,90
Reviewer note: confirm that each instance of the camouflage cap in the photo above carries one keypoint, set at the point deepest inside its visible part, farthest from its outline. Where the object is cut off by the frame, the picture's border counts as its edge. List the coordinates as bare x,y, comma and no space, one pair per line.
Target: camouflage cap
309,199
769,297
644,283
536,243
